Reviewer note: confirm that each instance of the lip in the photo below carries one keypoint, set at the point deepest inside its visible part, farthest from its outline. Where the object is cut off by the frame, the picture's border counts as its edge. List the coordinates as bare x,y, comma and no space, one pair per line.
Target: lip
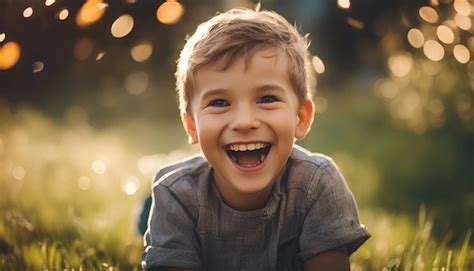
249,169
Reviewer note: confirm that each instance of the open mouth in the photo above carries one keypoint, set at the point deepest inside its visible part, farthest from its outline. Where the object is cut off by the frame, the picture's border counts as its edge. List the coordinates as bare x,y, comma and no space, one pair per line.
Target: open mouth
248,155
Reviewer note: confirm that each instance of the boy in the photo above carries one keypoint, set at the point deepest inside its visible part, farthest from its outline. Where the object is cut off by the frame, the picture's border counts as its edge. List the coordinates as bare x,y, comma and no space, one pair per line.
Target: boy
253,201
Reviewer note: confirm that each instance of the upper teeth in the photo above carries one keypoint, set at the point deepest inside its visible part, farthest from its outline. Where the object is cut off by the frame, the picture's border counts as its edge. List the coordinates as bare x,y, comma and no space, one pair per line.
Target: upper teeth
247,147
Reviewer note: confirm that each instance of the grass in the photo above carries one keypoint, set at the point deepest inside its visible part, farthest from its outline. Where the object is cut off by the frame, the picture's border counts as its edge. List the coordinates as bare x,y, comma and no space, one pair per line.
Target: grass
71,195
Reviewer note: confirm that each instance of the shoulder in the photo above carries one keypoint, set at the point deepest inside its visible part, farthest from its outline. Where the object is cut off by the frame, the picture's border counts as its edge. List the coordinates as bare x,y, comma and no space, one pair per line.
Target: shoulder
181,177
311,171
302,157
306,165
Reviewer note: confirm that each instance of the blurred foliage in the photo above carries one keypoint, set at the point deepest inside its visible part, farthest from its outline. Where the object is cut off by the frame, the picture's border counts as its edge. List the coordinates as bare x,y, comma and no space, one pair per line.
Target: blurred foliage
82,135
51,218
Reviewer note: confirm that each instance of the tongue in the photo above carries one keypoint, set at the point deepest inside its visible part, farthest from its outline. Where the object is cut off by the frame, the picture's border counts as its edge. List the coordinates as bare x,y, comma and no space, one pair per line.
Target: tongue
248,158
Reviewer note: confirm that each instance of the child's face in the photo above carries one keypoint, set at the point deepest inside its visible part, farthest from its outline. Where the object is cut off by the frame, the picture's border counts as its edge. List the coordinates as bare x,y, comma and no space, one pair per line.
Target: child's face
246,120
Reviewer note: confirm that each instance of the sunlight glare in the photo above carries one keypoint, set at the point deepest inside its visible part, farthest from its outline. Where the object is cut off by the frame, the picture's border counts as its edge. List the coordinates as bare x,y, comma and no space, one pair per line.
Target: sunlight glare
345,4
461,53
84,183
19,173
37,66
99,167
445,34
318,65
122,26
433,50
462,7
28,12
9,55
142,51
400,64
130,185
428,14
170,12
91,11
462,21
63,14
415,38
136,83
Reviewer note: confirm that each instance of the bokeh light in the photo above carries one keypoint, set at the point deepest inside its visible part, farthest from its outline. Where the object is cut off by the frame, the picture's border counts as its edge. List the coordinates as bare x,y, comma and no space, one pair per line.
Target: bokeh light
345,4
357,24
19,173
463,22
90,12
63,14
83,49
386,88
49,2
9,55
318,65
320,104
38,66
142,51
462,7
416,38
99,56
84,183
122,26
463,106
28,12
433,50
461,53
400,64
445,34
130,185
170,12
428,14
137,82
99,167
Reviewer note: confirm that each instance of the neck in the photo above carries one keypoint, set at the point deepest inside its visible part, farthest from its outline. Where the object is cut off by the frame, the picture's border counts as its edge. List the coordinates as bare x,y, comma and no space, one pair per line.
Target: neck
242,201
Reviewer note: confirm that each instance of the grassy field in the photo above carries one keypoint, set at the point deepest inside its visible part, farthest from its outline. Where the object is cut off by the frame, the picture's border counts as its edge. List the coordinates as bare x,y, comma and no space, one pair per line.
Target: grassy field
71,195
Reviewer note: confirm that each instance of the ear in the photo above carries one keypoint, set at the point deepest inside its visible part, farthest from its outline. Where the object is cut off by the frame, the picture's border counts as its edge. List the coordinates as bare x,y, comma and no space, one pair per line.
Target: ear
190,127
305,119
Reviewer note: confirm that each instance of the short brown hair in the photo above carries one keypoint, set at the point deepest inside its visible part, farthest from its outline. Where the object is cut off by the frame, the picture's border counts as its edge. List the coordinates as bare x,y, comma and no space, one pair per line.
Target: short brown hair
240,32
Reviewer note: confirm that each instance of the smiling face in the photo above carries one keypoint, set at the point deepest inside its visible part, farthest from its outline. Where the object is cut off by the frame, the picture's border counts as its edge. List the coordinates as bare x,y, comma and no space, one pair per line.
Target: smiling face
245,119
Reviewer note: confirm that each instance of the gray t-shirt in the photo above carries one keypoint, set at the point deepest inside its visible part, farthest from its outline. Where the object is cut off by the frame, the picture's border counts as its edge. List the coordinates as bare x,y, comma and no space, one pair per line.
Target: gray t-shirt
310,210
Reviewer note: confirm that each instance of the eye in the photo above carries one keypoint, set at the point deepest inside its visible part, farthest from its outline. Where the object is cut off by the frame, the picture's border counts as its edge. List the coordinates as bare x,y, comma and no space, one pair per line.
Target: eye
218,103
267,99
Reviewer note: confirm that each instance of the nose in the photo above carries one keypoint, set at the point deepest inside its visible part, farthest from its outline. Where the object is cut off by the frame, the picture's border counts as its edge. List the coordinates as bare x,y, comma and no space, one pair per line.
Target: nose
244,118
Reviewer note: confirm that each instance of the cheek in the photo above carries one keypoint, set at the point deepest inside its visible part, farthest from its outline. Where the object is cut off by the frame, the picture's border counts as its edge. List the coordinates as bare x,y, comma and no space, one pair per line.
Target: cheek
209,127
284,123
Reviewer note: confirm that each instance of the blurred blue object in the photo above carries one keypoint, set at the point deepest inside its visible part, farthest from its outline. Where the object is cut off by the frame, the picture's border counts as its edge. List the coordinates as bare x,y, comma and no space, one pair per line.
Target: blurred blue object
143,219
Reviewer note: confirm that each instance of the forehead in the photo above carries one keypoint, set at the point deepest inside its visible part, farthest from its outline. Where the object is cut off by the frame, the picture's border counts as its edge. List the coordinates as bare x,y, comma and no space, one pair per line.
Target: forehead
260,66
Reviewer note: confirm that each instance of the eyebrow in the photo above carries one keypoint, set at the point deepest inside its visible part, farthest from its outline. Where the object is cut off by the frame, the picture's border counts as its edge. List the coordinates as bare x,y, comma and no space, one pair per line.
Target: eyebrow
212,92
261,88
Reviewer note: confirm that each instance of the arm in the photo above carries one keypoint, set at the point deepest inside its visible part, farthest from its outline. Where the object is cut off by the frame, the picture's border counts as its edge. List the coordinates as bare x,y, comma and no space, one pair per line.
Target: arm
331,260
332,221
170,241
